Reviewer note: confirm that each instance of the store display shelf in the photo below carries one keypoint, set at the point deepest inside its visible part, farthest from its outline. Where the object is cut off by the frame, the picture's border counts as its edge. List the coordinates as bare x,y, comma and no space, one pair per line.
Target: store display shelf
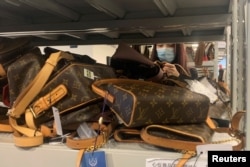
117,154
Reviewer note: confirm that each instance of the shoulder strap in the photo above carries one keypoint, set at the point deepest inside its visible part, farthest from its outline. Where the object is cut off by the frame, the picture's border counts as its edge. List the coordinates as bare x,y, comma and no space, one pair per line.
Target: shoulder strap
33,137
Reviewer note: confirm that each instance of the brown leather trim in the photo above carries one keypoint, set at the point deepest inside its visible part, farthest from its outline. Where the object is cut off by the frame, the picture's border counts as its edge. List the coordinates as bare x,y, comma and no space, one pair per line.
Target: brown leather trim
2,71
48,100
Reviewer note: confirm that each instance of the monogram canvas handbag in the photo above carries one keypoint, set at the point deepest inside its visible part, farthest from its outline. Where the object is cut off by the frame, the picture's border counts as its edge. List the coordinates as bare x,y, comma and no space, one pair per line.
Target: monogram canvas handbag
68,89
139,103
185,138
10,51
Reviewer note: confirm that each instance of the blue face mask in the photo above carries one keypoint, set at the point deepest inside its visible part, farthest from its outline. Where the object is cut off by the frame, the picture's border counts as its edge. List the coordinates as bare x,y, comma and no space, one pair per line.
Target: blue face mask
166,54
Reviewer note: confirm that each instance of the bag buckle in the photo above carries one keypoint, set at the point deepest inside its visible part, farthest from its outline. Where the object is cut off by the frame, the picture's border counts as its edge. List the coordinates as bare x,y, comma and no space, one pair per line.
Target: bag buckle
33,112
43,103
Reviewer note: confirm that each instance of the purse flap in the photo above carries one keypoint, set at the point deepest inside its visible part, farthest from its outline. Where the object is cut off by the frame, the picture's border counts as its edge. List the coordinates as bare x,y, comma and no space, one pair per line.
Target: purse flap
189,132
180,137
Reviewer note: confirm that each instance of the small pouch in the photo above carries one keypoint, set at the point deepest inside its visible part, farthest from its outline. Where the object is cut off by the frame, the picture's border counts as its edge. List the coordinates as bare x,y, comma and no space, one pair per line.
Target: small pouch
180,137
128,135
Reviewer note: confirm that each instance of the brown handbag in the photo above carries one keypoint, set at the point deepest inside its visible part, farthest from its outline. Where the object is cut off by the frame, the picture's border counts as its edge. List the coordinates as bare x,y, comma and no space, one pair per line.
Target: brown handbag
22,71
68,89
10,51
77,78
184,138
139,103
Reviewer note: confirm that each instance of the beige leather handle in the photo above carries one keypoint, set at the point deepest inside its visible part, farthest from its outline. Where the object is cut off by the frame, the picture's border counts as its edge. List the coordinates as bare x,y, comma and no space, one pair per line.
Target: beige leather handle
42,104
26,137
32,90
45,102
5,126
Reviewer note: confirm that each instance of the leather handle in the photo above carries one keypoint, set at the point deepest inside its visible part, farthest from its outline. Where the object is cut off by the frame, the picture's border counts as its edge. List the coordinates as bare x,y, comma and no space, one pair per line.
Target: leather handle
27,137
45,102
96,88
5,126
34,87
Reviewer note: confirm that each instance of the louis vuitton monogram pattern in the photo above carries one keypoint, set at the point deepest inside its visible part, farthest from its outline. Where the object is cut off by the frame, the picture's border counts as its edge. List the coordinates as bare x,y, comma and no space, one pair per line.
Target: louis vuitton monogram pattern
144,103
78,85
78,116
23,71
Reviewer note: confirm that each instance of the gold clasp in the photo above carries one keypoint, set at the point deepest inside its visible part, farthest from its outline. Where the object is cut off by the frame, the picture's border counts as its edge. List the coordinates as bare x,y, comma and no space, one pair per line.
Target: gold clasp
235,133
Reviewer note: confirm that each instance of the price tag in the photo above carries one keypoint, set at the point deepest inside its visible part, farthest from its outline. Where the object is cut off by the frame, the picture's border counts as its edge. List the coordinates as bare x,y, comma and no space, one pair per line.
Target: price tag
94,159
57,121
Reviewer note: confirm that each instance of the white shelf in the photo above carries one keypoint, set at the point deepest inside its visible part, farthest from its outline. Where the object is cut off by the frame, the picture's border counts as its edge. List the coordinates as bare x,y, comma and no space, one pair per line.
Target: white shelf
117,154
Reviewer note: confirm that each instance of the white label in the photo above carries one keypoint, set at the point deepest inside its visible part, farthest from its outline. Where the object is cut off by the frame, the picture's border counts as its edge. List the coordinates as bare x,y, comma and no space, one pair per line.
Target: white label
203,149
160,162
89,74
57,121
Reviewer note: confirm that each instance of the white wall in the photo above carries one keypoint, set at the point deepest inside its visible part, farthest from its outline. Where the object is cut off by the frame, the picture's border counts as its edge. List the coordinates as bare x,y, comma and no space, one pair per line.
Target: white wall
97,52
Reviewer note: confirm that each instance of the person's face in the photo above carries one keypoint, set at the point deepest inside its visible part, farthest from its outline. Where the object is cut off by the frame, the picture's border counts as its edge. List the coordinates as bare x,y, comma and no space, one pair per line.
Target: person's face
165,52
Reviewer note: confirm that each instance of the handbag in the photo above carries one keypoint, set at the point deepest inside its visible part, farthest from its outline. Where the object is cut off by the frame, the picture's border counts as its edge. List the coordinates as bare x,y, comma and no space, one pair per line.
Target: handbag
129,63
10,51
67,89
183,138
77,78
186,138
22,71
139,103
200,52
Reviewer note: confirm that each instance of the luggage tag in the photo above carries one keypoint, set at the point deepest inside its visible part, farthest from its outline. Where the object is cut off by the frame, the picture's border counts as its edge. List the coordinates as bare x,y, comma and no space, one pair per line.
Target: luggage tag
57,121
94,159
60,138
